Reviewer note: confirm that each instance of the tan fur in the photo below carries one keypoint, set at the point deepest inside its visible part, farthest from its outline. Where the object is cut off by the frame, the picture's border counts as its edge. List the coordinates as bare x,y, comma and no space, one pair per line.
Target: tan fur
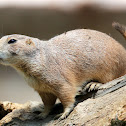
58,67
120,28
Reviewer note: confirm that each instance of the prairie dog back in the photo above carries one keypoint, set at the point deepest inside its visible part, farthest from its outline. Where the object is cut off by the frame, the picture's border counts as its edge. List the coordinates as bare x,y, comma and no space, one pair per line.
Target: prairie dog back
58,67
90,54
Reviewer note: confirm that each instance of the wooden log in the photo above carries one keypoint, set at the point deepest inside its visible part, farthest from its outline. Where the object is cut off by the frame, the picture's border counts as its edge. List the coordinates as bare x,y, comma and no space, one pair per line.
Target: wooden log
106,107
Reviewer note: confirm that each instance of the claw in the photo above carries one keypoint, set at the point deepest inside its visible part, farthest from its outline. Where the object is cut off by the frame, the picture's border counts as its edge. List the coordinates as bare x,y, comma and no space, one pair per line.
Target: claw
65,114
92,86
58,116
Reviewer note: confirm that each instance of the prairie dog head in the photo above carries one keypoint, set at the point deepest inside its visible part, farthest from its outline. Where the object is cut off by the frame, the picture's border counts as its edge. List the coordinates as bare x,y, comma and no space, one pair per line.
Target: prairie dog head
17,48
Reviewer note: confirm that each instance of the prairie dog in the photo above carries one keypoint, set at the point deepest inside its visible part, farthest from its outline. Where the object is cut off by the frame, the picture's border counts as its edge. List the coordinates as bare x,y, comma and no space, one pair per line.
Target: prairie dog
58,67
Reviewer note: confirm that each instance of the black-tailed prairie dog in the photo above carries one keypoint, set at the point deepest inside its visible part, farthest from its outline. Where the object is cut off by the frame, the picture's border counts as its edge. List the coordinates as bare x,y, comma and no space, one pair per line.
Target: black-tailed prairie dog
58,67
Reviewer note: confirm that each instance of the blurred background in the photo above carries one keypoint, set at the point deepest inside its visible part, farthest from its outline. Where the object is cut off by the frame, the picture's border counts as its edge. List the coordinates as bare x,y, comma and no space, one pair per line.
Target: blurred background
45,19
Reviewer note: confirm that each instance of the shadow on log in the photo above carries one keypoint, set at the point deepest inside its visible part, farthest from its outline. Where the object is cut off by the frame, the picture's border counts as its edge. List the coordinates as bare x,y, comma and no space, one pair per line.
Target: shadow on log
105,107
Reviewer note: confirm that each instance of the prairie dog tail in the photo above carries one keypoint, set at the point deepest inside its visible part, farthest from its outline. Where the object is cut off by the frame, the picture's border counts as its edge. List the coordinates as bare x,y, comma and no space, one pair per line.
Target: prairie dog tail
119,27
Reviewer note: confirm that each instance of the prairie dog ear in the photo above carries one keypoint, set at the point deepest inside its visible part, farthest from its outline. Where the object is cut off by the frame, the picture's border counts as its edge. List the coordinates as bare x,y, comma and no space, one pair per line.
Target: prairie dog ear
30,42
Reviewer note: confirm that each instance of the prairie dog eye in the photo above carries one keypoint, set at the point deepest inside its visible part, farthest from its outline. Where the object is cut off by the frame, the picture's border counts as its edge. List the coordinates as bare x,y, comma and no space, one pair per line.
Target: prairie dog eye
11,41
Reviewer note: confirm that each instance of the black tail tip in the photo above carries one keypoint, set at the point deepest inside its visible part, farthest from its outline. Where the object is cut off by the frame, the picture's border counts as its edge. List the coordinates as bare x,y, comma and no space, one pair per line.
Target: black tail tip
116,25
119,27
